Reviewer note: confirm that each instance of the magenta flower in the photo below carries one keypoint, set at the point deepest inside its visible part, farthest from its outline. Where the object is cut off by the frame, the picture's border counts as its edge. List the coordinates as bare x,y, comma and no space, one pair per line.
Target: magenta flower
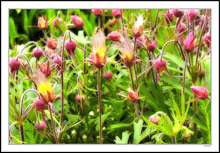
14,65
200,92
189,44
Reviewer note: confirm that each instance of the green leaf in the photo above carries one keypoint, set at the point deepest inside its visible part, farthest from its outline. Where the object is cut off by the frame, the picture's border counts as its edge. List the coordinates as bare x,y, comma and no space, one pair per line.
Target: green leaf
124,140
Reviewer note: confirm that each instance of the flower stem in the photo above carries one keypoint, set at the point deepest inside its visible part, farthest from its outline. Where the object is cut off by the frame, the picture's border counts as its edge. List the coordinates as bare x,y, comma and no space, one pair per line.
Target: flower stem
135,69
132,81
100,106
184,75
52,122
22,133
173,139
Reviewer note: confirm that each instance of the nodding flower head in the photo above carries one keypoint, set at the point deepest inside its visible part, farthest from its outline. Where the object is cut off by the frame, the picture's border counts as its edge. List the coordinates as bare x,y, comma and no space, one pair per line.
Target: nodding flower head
57,60
77,21
188,43
51,43
151,45
42,23
80,98
160,65
181,28
126,50
39,105
37,52
40,126
112,22
14,65
97,12
207,39
70,46
108,75
178,13
116,13
140,39
45,68
200,92
55,22
114,36
132,95
137,30
99,49
154,119
44,87
169,16
192,15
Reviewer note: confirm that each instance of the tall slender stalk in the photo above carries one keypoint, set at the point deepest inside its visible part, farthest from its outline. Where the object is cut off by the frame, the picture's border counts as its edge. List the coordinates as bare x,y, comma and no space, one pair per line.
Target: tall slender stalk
100,106
135,69
22,133
52,122
173,139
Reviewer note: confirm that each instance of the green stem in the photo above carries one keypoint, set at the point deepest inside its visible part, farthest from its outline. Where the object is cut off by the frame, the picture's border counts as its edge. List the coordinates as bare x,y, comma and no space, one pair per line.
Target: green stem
100,106
52,122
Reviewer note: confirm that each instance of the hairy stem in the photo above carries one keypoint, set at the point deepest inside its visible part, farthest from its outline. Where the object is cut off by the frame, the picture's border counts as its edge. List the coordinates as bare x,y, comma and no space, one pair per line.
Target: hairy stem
100,106
22,133
135,51
132,81
52,122
184,75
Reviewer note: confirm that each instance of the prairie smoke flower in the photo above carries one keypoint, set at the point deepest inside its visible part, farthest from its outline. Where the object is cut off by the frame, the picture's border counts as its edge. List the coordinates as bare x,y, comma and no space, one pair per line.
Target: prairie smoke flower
42,23
55,22
77,21
169,16
154,119
108,75
14,65
57,60
40,126
200,92
51,43
137,30
39,105
192,15
80,98
181,28
37,52
44,87
99,49
207,39
140,39
97,12
45,68
132,95
160,66
114,36
70,46
178,13
116,13
188,43
151,45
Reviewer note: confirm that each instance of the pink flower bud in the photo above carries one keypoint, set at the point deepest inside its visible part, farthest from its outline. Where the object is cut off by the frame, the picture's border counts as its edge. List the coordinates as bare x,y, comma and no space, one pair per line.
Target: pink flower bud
55,22
45,68
160,66
169,16
57,60
137,30
108,75
192,15
114,36
39,105
77,21
181,28
154,119
14,65
97,12
200,92
80,98
42,24
37,52
70,46
51,43
40,126
132,95
151,45
207,39
178,13
116,13
189,44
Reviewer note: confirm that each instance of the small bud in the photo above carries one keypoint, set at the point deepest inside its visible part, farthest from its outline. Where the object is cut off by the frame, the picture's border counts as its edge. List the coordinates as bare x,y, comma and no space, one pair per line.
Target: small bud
181,28
39,105
207,39
80,98
112,22
137,30
132,95
169,16
189,44
108,75
97,12
141,39
40,126
114,36
14,65
151,45
116,13
57,60
70,46
37,52
154,119
160,66
178,13
192,15
45,68
77,21
55,22
200,92
42,24
51,43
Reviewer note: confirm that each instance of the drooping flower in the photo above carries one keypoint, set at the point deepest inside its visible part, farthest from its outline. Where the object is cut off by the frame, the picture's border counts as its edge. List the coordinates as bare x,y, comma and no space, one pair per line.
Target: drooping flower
181,28
14,65
40,126
57,60
160,65
132,95
39,105
55,22
192,15
37,52
80,98
137,30
70,46
77,21
99,49
178,13
151,45
45,68
169,16
154,119
114,36
200,92
207,39
108,75
189,44
142,40
97,12
42,23
44,86
116,13
51,43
